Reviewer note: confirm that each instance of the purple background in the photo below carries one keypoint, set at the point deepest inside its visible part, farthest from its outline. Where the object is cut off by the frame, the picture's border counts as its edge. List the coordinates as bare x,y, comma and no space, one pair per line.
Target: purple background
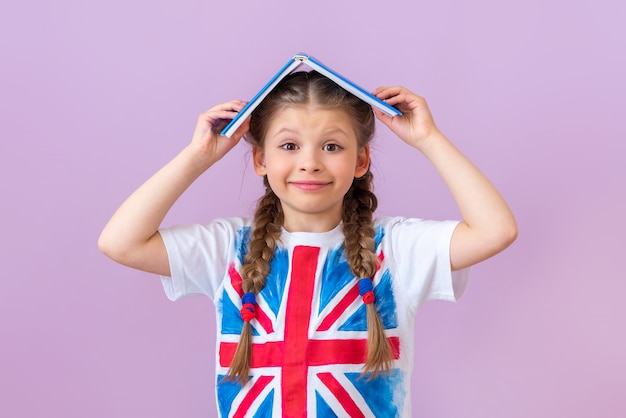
96,96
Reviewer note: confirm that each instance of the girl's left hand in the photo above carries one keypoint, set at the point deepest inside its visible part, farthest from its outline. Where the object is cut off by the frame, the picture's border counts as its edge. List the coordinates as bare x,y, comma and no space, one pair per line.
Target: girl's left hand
416,123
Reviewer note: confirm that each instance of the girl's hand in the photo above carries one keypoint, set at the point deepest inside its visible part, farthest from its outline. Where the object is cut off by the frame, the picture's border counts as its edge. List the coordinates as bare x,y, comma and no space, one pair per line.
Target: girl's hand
416,123
207,143
488,225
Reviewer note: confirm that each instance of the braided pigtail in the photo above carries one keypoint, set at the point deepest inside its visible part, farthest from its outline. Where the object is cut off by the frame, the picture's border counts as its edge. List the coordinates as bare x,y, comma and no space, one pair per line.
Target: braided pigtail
268,220
358,227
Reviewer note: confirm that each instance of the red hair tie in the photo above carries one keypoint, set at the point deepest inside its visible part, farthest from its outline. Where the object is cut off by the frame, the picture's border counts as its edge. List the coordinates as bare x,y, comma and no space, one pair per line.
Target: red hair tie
248,311
366,290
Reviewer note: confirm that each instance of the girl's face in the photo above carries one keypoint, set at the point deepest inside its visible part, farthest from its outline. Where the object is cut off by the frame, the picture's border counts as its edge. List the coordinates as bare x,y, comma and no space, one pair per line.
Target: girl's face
310,156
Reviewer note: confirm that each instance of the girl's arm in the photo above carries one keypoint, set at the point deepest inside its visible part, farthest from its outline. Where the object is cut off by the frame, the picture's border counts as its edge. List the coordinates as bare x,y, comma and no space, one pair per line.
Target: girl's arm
488,225
131,236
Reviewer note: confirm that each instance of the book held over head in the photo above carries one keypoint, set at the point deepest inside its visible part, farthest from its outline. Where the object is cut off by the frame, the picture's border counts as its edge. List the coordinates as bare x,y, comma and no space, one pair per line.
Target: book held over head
295,62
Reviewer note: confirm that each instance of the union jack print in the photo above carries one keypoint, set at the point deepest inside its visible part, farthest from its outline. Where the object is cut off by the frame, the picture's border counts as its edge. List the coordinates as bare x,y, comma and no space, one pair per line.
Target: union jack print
309,339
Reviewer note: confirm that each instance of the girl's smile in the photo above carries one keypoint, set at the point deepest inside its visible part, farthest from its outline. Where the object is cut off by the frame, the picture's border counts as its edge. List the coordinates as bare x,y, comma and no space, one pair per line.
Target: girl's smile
309,185
311,156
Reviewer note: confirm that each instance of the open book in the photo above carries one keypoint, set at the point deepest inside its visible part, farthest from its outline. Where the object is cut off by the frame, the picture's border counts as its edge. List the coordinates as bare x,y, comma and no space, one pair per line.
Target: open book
293,63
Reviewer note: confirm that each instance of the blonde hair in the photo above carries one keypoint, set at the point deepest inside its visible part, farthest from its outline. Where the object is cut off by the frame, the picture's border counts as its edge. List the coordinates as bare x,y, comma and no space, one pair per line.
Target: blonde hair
359,203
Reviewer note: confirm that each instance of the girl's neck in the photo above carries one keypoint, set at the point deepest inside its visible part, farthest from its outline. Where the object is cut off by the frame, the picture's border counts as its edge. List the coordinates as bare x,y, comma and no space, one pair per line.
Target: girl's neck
311,223
331,238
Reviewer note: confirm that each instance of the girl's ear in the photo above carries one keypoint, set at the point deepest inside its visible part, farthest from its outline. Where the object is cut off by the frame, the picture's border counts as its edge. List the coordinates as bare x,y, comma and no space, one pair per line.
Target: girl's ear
258,157
362,161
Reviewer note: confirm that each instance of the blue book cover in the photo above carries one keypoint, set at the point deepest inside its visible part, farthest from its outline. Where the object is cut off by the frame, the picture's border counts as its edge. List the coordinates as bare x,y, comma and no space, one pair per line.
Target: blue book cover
315,65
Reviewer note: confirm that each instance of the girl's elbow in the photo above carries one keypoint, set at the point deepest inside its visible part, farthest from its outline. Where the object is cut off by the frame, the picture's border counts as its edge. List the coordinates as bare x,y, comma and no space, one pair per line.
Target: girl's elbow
103,244
499,238
111,249
508,234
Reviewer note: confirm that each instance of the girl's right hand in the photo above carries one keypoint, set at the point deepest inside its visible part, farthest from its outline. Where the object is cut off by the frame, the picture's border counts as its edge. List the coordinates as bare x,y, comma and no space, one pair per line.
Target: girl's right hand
207,143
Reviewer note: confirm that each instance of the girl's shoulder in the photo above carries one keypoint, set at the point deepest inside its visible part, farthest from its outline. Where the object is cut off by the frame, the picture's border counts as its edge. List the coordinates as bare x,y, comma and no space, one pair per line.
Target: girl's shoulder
218,227
403,221
404,228
234,222
397,221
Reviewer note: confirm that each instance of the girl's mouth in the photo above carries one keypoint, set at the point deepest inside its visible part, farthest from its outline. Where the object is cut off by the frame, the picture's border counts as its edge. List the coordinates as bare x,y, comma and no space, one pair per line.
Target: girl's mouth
309,185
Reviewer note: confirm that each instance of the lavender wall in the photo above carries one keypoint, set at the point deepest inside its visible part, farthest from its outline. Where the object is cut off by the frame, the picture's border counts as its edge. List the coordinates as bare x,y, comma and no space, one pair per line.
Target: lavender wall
96,96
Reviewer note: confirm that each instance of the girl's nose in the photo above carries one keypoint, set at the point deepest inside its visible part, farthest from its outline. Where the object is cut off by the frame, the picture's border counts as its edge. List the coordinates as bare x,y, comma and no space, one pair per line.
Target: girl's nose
309,161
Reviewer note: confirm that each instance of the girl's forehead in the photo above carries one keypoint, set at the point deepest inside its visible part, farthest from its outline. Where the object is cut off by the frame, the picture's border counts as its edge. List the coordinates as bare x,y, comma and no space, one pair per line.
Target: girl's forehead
308,117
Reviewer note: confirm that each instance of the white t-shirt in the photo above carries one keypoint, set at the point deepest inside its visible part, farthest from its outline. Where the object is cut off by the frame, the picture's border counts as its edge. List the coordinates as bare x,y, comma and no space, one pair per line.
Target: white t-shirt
309,333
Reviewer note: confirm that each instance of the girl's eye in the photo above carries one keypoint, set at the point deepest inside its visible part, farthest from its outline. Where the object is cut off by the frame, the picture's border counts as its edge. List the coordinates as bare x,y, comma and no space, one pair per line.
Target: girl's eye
290,146
331,147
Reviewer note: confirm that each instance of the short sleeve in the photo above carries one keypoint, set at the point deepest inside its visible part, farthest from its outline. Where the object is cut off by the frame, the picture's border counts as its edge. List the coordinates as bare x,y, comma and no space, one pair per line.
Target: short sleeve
420,252
198,257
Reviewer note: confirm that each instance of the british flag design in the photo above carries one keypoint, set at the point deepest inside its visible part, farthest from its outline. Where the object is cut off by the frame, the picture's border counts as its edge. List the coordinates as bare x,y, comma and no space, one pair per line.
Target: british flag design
309,339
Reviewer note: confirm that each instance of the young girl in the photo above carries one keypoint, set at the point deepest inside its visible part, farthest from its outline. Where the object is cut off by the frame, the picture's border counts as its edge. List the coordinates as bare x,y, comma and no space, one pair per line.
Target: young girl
315,299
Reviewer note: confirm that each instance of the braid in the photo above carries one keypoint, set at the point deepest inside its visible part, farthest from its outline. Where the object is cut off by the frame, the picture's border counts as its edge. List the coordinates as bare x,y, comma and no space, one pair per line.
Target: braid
358,227
268,220
358,205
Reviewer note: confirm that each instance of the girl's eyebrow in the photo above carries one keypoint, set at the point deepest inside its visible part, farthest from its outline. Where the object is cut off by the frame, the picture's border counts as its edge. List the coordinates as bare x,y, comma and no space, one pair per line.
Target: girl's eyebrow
331,131
287,130
336,130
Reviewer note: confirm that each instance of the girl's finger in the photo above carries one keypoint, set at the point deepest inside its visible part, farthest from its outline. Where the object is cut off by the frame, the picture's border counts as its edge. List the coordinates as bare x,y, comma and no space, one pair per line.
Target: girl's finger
235,105
213,115
394,100
387,92
379,89
242,130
